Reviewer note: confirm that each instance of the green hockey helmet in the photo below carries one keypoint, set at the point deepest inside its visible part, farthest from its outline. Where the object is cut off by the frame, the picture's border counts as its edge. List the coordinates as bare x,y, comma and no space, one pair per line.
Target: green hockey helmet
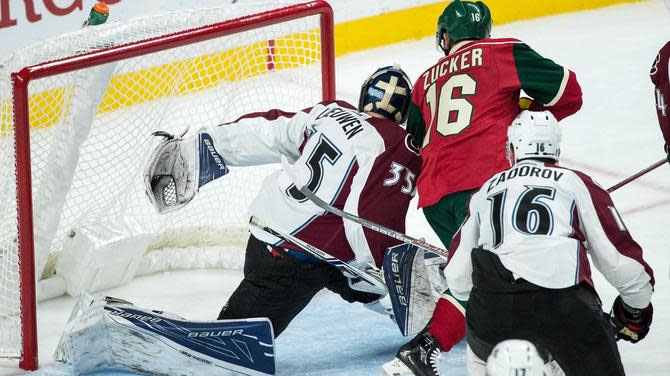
463,20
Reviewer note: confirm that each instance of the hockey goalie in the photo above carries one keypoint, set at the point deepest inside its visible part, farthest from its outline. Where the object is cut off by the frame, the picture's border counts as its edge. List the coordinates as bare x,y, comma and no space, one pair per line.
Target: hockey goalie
359,159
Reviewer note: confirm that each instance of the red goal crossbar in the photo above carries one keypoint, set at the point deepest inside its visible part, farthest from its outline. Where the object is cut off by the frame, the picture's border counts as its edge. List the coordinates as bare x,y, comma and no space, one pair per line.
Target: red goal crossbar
21,80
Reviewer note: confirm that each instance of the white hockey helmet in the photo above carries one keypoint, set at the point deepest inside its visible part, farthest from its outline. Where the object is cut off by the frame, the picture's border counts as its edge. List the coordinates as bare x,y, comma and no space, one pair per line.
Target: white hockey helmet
514,357
534,135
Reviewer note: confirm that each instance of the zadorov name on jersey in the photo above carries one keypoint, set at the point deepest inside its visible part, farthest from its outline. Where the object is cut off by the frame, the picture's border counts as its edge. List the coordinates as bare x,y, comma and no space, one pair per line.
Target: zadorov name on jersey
545,173
217,333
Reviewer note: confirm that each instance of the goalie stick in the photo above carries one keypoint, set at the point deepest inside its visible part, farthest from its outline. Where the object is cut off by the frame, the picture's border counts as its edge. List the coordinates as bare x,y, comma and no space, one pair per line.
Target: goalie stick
375,279
302,187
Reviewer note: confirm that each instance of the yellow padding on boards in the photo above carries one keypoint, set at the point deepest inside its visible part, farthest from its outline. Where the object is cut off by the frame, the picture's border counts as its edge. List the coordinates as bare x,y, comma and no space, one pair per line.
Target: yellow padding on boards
421,22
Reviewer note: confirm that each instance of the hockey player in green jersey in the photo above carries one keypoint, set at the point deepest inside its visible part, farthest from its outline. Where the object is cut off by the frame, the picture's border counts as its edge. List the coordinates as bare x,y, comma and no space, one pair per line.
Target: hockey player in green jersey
460,110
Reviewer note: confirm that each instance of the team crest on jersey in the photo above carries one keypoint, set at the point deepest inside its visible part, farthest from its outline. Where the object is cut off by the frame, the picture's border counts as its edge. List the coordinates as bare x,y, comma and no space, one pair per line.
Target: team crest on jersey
310,130
654,68
411,145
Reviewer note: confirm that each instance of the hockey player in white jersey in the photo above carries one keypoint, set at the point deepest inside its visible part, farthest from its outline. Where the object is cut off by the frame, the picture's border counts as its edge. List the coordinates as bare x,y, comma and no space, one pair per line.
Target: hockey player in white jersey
519,265
357,159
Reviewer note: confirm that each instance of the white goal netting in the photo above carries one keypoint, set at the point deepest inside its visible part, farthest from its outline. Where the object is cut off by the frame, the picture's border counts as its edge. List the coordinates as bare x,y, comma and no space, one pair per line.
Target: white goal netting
90,133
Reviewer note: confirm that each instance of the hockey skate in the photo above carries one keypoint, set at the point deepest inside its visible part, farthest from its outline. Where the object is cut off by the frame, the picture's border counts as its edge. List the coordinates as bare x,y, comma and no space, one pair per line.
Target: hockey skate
419,357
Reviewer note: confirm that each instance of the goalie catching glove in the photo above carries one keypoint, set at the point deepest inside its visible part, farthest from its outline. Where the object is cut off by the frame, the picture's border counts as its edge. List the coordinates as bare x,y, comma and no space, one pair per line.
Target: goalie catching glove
178,167
631,324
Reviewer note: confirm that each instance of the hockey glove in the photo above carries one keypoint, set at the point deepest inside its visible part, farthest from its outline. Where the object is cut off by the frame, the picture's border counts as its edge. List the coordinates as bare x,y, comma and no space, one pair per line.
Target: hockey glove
178,167
382,306
358,284
631,324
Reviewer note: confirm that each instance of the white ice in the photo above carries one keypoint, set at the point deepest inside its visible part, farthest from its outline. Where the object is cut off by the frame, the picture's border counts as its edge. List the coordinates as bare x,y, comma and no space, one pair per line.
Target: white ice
613,136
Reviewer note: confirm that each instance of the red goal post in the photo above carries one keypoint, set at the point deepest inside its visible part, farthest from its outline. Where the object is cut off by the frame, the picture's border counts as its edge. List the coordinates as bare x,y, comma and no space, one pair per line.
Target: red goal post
21,95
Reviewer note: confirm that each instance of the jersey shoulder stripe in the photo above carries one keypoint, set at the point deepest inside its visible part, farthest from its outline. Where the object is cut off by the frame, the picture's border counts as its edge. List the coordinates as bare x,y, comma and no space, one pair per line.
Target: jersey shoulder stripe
270,115
492,42
467,46
340,103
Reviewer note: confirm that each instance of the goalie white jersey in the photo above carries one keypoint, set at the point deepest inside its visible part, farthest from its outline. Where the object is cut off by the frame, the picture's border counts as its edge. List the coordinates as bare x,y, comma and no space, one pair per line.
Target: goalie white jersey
542,220
361,164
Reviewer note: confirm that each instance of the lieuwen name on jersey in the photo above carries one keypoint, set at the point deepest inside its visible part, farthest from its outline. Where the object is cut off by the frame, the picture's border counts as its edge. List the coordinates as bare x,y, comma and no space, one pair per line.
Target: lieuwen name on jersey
349,120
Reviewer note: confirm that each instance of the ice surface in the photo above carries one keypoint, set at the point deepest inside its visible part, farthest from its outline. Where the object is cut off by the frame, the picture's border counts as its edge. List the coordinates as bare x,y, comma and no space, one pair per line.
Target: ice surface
612,137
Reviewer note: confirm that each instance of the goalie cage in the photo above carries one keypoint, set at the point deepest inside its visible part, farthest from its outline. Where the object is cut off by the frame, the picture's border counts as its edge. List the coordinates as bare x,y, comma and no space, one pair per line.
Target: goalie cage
76,114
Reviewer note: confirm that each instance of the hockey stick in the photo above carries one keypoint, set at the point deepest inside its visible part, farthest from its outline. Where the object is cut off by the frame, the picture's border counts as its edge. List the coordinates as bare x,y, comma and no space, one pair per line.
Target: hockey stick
354,218
375,280
631,178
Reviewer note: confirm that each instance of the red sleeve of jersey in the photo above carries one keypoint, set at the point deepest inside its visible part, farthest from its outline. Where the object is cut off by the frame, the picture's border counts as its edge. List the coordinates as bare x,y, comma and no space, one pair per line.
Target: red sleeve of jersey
569,103
659,76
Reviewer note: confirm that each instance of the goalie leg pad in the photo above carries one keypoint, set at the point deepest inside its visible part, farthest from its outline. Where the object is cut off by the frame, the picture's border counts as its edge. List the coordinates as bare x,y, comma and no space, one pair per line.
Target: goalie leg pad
105,334
409,287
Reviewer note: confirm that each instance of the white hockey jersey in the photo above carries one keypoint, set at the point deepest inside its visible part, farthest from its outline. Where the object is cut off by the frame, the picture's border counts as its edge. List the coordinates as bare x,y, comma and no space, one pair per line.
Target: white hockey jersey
542,220
361,164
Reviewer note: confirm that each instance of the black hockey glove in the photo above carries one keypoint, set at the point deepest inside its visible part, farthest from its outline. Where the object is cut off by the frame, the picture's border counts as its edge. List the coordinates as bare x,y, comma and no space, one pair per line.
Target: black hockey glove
631,324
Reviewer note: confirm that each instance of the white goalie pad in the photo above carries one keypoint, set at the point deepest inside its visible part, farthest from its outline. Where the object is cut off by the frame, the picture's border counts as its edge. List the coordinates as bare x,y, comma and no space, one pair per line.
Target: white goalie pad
435,265
112,334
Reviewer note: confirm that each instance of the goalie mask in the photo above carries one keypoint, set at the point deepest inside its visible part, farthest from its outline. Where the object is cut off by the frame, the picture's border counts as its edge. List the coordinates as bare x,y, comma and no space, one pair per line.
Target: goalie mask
387,92
514,357
534,135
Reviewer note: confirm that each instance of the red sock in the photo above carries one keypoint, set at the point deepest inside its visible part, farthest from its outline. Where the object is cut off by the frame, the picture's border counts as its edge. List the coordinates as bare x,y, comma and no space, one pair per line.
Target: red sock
448,325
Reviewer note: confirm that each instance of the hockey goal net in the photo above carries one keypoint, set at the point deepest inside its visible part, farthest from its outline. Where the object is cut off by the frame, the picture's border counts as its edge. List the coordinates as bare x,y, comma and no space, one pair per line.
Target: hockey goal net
77,112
